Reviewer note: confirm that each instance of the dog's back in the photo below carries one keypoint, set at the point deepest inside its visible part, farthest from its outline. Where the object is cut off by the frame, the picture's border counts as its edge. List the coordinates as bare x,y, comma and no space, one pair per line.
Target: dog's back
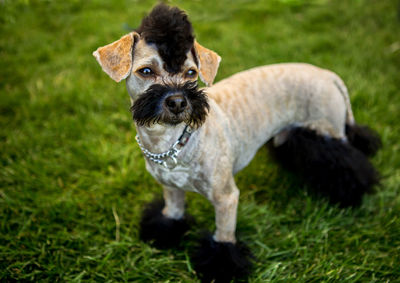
265,101
282,95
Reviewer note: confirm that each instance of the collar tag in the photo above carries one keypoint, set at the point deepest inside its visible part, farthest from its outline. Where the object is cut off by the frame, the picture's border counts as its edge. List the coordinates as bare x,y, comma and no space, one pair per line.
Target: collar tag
184,138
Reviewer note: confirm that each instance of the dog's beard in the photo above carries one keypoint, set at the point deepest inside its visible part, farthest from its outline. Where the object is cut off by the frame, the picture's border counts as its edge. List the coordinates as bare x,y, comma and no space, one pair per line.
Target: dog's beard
149,108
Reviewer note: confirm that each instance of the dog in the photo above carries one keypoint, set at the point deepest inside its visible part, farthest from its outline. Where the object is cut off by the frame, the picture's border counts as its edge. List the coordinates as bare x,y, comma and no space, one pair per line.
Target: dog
196,139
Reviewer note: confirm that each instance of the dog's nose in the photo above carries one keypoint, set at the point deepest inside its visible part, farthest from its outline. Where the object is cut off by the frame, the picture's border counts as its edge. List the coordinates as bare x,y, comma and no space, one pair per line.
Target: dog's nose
176,103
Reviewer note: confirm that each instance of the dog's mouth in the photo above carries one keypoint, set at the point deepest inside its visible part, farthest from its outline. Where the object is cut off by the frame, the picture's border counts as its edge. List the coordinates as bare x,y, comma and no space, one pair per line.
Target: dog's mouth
171,104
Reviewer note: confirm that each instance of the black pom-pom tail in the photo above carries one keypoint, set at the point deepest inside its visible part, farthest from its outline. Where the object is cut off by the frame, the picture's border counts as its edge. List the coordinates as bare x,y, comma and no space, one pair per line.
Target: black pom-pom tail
363,138
330,166
162,231
221,261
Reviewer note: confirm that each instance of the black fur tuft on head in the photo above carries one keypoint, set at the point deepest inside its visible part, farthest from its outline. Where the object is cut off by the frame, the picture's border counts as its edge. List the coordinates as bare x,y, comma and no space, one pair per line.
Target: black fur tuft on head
164,232
170,30
332,167
149,108
364,139
221,261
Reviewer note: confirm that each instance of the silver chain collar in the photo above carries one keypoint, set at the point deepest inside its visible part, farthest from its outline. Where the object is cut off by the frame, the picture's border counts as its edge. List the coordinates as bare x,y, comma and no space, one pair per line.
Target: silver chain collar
168,158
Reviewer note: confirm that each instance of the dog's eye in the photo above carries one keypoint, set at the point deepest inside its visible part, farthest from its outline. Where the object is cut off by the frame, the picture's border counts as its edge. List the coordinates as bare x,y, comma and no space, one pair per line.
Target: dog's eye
146,71
191,73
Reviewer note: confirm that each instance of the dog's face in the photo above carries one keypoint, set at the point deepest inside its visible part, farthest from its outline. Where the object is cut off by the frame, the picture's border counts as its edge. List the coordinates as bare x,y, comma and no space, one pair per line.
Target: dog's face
162,96
161,63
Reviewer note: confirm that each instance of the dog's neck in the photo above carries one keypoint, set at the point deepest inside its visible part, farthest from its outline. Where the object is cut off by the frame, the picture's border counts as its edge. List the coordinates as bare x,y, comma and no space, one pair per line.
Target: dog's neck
159,138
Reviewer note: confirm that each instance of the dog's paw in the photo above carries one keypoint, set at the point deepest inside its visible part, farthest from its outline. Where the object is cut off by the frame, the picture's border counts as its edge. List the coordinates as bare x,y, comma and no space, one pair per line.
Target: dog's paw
221,261
163,232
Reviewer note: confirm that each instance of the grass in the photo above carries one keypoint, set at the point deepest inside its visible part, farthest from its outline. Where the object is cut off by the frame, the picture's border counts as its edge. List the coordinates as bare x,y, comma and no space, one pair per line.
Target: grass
70,167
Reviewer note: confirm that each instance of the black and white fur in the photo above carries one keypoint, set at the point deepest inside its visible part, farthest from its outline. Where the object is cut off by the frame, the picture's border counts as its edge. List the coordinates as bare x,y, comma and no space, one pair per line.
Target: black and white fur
305,110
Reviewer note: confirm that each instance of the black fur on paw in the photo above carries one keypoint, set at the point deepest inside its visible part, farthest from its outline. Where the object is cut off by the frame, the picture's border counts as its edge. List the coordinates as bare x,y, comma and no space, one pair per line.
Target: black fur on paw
162,231
221,262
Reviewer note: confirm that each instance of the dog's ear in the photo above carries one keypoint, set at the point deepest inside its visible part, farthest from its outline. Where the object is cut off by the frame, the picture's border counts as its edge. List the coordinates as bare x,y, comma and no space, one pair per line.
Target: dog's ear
116,58
208,63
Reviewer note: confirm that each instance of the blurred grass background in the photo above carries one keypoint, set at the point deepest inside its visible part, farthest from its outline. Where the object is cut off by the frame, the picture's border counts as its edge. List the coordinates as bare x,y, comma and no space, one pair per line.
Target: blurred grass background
69,164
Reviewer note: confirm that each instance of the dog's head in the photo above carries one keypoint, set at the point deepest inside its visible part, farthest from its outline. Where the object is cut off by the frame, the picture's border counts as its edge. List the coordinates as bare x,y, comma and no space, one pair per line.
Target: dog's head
161,62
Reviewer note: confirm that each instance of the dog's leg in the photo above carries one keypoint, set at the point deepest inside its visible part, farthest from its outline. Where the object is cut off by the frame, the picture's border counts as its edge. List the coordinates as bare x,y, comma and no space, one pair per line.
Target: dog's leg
221,257
225,215
174,203
164,222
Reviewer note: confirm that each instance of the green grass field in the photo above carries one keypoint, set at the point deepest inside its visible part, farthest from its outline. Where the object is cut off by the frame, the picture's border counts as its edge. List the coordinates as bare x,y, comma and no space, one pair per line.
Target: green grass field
73,181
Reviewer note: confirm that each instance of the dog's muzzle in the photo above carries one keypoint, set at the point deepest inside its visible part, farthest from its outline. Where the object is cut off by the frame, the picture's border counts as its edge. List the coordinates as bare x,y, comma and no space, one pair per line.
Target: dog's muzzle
171,104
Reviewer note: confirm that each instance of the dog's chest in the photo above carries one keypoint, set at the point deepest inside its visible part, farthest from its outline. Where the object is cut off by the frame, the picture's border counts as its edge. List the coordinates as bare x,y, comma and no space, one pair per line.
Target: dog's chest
183,176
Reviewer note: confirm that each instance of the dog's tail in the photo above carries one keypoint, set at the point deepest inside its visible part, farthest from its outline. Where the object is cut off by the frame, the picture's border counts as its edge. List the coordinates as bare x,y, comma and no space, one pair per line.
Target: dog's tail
345,94
361,137
332,167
